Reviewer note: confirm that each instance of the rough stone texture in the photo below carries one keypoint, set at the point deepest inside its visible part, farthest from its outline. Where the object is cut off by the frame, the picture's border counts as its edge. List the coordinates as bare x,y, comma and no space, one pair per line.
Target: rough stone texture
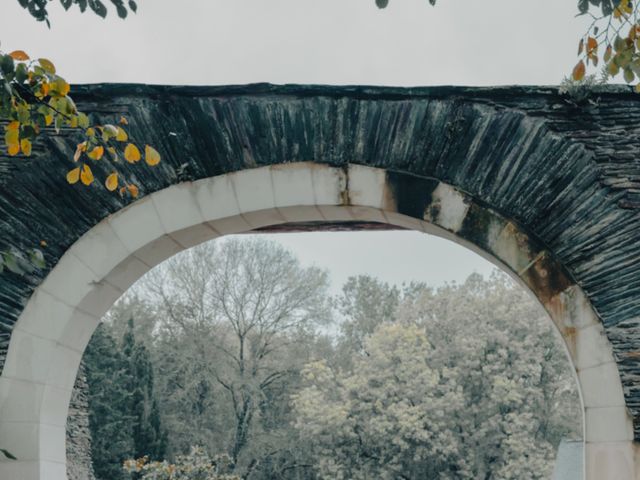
79,465
568,175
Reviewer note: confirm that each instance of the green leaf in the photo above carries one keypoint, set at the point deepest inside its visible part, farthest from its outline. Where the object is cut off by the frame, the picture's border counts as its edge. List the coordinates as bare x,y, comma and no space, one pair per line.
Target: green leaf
28,132
607,8
47,65
83,120
98,7
583,6
12,263
7,65
8,454
37,258
21,72
628,75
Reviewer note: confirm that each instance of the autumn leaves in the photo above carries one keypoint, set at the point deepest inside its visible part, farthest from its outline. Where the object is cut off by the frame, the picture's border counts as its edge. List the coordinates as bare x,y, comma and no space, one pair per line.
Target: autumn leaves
622,53
33,97
93,148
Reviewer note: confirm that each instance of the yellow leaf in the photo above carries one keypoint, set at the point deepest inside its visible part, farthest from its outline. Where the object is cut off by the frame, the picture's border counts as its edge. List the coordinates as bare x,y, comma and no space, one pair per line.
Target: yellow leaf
96,153
13,149
73,176
12,137
112,182
25,145
131,153
13,125
638,88
579,71
151,155
47,65
44,89
133,190
19,55
87,175
122,135
124,121
91,132
62,87
48,120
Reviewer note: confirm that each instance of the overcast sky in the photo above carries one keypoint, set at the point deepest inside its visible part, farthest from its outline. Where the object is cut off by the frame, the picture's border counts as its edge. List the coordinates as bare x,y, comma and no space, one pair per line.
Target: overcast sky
214,42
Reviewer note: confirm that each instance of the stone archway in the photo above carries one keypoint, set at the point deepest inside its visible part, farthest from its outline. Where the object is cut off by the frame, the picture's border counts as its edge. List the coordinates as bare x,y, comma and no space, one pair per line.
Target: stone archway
56,324
546,187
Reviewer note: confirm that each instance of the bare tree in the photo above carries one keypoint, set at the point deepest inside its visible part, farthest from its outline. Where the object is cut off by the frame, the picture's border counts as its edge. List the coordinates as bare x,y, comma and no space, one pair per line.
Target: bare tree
240,302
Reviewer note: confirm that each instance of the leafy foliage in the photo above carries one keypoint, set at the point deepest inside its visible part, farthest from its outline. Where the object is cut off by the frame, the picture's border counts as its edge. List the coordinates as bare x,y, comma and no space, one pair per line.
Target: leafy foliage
196,465
124,417
149,438
33,98
110,419
466,382
20,263
38,9
385,3
613,37
234,318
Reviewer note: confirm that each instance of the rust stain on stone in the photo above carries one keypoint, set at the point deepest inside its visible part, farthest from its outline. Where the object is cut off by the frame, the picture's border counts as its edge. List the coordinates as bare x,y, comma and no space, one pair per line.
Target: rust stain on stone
546,278
570,337
557,309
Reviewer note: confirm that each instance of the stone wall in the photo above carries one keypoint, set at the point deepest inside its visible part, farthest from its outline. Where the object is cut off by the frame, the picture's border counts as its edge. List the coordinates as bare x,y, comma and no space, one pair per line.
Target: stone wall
568,175
78,434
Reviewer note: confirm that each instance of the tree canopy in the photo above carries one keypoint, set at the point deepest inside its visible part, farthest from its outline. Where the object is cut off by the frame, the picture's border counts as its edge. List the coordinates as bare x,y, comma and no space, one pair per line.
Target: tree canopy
611,40
39,9
236,357
447,388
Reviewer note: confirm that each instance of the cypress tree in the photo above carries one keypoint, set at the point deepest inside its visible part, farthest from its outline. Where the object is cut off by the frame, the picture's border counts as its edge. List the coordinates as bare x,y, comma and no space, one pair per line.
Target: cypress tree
147,434
109,411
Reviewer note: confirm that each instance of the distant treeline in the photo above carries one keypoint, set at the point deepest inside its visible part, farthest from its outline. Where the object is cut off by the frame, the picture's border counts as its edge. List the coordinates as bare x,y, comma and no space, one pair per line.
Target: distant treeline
237,348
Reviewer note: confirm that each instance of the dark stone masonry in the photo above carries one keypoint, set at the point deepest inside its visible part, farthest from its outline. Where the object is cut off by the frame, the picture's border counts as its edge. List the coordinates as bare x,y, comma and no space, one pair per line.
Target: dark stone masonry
79,465
567,174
